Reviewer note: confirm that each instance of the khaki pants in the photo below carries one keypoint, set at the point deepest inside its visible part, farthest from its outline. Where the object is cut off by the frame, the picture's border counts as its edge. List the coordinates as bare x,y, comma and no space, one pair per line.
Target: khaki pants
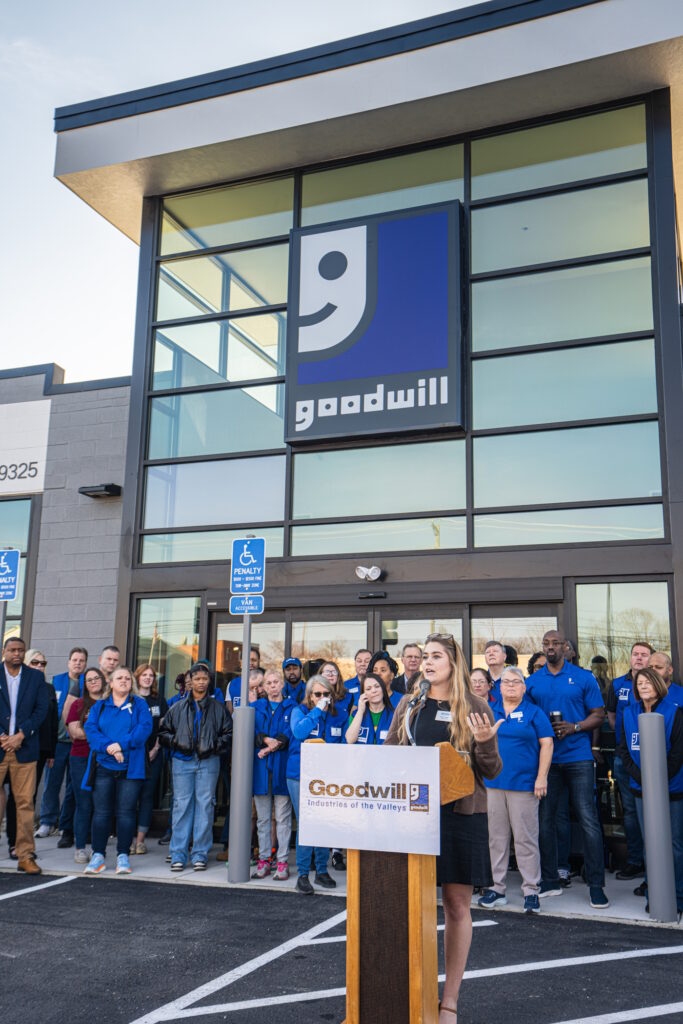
23,779
508,809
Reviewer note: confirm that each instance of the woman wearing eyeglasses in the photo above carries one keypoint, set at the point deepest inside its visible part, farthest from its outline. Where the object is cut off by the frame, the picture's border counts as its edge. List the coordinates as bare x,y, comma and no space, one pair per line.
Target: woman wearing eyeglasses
525,741
318,718
451,713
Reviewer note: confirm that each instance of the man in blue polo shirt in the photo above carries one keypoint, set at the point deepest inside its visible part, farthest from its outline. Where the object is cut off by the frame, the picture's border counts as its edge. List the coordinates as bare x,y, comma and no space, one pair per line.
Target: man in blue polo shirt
295,685
361,661
574,693
619,696
663,664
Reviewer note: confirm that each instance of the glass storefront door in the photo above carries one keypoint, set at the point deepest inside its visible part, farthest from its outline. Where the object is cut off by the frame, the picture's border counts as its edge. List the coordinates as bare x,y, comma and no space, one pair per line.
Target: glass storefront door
334,640
521,629
268,638
407,628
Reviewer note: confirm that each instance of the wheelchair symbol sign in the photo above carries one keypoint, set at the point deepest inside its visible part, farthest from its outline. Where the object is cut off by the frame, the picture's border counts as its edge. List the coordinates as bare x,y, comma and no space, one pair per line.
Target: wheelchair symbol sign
9,574
248,568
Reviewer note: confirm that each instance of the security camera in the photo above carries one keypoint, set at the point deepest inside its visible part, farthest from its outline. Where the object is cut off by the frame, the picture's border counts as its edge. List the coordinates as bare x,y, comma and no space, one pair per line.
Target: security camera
371,574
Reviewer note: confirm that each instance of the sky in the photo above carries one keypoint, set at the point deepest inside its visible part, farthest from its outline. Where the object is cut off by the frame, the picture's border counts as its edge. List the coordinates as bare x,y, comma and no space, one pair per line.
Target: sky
68,277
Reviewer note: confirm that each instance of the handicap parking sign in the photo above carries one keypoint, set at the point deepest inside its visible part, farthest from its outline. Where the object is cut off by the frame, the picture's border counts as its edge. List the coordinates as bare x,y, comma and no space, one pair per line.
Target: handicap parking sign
248,568
9,574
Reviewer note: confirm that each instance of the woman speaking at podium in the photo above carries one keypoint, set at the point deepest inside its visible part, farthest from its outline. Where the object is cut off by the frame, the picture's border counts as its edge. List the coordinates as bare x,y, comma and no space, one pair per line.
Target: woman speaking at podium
443,709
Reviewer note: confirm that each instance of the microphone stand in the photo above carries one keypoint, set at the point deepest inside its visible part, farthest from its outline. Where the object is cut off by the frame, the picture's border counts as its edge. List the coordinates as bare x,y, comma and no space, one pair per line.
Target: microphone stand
419,699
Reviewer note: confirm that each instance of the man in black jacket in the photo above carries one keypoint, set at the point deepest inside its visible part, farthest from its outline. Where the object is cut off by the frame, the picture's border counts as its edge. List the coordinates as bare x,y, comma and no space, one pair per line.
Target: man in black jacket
196,731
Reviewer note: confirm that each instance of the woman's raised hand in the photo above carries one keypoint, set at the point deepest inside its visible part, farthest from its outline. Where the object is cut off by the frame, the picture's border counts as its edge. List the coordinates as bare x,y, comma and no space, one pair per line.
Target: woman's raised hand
481,727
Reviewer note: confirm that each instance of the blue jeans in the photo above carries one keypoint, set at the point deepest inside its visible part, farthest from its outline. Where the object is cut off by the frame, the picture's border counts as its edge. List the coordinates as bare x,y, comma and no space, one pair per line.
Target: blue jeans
577,777
303,853
83,798
149,788
49,805
114,793
634,834
563,824
194,798
676,812
225,775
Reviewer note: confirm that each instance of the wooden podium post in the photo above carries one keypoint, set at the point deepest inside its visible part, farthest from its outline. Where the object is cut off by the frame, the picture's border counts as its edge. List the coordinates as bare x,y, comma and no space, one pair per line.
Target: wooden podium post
391,947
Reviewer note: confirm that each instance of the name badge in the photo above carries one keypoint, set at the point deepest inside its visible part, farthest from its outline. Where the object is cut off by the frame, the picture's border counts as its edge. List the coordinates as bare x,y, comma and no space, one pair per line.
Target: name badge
517,714
383,734
335,732
314,732
443,716
623,693
156,711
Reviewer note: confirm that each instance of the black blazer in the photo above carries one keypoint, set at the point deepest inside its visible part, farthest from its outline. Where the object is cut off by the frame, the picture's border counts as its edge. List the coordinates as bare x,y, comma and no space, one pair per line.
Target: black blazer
32,706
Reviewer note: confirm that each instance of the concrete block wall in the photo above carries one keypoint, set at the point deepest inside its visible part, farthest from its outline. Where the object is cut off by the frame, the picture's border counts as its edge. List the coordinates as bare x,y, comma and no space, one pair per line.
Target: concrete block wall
78,551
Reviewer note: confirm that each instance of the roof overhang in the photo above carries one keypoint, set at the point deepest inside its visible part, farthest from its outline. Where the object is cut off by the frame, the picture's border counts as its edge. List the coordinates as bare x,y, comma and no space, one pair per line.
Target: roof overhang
424,81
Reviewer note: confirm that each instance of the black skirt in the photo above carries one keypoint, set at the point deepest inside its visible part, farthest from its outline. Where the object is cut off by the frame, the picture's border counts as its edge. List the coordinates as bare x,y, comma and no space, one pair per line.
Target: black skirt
464,856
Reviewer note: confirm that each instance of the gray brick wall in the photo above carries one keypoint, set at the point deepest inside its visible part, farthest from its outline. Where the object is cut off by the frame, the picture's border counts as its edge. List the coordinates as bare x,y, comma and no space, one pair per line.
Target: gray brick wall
78,553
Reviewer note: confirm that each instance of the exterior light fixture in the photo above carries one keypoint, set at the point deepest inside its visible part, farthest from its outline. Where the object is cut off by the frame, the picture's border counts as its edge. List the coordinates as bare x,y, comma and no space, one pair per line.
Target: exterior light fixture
371,574
101,491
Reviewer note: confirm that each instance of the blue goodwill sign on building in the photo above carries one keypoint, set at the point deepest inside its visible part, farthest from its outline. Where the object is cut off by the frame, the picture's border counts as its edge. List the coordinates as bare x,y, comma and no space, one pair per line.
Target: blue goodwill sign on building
374,334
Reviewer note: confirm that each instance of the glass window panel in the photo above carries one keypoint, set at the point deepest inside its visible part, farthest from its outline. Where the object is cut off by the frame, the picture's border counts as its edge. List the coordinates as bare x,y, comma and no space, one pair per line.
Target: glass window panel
570,526
524,633
383,535
207,493
552,154
168,637
372,481
15,607
225,216
268,638
336,641
611,617
560,227
396,633
212,422
12,629
207,546
208,353
201,285
394,183
15,517
562,305
570,384
584,464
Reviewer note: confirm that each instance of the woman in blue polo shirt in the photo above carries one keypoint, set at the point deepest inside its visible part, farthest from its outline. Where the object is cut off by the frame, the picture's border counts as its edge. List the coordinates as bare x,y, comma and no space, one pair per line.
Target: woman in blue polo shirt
650,694
370,722
117,730
316,718
525,742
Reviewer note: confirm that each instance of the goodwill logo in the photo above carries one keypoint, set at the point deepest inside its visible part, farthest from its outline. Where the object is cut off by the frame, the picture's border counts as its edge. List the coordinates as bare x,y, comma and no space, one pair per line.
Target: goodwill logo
396,796
374,327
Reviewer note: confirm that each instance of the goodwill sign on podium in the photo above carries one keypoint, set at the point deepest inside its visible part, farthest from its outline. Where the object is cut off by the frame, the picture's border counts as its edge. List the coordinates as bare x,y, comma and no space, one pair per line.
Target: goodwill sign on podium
382,804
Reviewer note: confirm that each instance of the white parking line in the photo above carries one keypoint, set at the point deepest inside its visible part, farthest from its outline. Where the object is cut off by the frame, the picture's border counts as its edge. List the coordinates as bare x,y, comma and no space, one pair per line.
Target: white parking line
539,965
644,1013
35,888
173,1010
439,928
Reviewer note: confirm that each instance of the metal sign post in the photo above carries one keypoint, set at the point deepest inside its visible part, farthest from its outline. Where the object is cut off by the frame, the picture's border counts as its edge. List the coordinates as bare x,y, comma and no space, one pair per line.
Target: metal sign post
657,818
247,582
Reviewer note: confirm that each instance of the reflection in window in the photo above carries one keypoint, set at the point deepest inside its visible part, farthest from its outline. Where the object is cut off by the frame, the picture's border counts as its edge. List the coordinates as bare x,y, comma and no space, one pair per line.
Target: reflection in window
370,481
212,422
227,216
569,384
15,517
441,532
552,154
582,464
396,633
562,305
570,526
204,546
561,227
611,617
168,637
207,493
335,641
392,183
208,353
202,285
525,634
268,638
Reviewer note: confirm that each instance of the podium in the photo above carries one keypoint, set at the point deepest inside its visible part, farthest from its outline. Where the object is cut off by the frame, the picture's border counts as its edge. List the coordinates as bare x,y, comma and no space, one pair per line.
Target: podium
391,945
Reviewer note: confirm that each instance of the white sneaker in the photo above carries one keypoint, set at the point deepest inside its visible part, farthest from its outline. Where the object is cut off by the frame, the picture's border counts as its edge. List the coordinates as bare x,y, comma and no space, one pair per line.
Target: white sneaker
46,830
81,857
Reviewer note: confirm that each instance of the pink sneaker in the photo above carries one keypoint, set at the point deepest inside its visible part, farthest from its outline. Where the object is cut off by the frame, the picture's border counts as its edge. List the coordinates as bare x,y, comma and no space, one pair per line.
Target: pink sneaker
282,870
262,869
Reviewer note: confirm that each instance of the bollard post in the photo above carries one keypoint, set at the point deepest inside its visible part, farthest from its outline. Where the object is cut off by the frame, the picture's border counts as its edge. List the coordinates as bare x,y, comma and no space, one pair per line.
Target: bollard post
241,785
661,886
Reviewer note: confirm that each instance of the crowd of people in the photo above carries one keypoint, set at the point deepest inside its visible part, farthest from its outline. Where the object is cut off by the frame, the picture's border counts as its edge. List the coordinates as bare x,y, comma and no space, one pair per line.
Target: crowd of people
103,734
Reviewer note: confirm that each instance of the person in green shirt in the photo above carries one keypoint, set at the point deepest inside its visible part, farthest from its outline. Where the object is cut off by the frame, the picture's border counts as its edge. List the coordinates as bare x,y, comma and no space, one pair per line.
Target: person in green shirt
369,722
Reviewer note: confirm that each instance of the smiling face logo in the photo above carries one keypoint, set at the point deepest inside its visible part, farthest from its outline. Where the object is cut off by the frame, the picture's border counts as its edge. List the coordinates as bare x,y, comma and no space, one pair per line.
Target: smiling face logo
374,328
332,298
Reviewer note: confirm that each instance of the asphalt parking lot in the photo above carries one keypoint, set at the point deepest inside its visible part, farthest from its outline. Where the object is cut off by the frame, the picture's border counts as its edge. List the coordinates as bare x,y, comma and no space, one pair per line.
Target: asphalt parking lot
120,951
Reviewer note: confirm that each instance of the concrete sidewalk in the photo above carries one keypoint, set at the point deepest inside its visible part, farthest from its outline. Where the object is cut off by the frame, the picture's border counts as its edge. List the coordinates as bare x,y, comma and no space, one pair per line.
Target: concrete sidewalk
573,903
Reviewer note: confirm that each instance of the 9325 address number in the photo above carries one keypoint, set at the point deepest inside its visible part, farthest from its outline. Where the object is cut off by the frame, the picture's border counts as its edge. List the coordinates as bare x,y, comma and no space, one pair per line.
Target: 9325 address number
18,470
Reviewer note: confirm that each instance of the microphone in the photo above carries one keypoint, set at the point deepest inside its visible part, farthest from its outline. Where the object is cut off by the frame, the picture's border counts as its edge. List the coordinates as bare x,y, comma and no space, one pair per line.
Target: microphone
421,696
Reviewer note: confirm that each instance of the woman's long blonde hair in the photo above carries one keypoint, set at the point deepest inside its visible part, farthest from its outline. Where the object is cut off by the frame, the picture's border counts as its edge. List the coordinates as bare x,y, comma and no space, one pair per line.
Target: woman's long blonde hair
459,689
